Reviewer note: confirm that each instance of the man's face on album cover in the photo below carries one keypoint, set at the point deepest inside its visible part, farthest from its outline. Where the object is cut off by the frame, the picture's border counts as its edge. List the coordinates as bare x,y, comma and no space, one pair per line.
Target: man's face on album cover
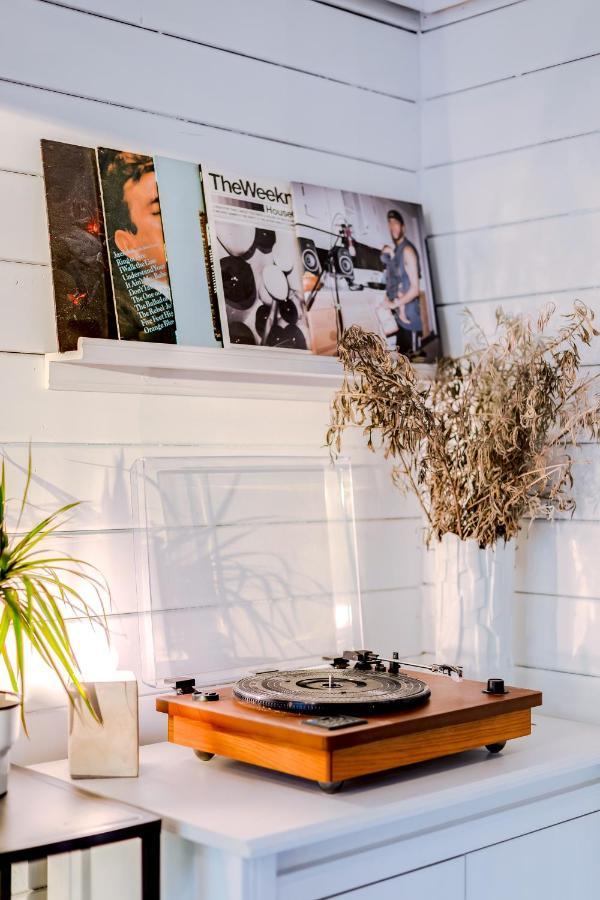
147,241
396,229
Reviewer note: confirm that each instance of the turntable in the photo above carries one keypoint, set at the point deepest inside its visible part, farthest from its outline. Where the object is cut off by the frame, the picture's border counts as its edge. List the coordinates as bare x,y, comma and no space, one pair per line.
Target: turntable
332,724
247,579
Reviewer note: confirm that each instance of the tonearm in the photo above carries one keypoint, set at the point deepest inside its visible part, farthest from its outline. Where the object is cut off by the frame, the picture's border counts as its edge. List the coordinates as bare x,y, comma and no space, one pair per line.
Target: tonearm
366,660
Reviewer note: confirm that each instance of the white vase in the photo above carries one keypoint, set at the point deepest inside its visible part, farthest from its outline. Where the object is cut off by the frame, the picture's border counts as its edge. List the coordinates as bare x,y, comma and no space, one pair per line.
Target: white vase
473,607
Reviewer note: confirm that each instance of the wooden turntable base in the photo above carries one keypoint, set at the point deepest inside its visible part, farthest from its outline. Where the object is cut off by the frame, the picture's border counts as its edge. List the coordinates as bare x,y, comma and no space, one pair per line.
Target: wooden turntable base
458,717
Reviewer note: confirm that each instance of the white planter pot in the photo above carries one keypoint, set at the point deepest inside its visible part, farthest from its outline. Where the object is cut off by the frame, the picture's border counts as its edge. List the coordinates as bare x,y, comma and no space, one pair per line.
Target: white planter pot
10,708
473,612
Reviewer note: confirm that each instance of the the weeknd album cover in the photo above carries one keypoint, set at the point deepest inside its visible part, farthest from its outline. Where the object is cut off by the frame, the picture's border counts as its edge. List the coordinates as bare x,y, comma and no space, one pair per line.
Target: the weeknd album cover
83,298
136,247
364,262
257,261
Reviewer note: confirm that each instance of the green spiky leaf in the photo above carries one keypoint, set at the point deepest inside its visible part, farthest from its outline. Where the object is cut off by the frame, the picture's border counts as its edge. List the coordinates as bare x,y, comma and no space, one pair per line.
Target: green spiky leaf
36,600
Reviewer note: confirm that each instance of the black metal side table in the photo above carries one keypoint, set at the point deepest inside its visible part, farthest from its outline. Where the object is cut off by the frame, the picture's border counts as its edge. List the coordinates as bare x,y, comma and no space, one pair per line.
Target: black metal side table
40,817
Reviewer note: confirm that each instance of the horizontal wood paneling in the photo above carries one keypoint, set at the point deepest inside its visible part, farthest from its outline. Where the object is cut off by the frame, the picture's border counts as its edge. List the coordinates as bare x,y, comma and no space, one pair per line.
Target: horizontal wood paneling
99,652
536,257
173,78
23,226
558,633
26,309
389,583
549,180
510,188
508,42
544,106
71,417
28,114
453,320
389,554
554,558
181,97
559,558
300,34
288,550
392,621
566,696
99,476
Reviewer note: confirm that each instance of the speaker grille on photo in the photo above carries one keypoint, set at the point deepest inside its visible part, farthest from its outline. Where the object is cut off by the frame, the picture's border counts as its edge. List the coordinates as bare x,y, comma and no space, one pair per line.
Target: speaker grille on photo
343,263
310,258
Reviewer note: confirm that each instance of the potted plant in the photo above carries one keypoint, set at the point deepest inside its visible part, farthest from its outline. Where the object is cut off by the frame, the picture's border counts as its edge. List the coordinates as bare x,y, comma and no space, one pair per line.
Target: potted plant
38,588
486,445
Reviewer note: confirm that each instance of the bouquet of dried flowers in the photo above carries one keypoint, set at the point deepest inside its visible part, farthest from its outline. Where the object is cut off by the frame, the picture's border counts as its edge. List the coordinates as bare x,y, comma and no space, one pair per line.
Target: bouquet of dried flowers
489,441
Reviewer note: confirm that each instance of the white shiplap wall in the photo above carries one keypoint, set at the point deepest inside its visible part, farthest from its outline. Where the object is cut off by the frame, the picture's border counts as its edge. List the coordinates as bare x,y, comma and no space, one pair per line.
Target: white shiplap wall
293,88
509,132
511,185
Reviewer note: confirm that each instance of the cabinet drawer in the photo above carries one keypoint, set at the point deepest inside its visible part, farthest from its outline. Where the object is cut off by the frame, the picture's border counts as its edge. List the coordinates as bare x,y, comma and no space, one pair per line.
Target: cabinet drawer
554,863
446,879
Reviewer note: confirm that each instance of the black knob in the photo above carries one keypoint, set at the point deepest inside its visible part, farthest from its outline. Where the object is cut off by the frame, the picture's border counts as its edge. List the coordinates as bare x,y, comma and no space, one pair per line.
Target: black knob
495,686
207,696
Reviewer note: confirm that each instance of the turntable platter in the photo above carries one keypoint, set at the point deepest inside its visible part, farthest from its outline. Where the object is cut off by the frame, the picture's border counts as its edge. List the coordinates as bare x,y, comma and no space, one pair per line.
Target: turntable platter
323,692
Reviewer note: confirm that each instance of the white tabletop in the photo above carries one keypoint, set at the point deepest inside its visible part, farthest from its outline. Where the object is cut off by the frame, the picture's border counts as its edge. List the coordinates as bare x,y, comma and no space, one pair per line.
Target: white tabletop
251,811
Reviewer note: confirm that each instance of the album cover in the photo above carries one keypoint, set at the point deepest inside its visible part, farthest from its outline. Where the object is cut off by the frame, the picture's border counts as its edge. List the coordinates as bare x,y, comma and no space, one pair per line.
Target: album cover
257,261
136,247
188,251
83,298
364,262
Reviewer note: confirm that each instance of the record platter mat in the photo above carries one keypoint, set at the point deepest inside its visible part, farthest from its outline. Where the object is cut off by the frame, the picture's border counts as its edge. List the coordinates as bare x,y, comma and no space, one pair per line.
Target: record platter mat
457,716
327,692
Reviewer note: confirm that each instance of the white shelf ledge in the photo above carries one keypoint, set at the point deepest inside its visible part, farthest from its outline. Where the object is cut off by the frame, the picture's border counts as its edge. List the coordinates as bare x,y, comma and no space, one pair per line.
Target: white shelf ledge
132,367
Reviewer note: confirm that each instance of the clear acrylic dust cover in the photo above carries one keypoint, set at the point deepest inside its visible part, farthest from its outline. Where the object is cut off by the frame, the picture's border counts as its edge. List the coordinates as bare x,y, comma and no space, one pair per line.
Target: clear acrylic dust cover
243,564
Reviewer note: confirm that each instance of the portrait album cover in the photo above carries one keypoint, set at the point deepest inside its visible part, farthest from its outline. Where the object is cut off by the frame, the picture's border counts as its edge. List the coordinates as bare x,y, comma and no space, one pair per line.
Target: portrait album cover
83,301
188,252
136,247
257,260
364,262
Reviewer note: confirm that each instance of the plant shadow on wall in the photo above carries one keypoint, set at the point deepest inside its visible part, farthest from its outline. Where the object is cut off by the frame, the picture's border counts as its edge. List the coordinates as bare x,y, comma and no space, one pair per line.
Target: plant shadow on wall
235,584
39,590
487,444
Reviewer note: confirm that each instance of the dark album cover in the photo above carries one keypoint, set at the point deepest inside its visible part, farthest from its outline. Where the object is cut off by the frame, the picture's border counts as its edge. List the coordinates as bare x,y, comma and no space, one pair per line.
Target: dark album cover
136,246
80,272
365,263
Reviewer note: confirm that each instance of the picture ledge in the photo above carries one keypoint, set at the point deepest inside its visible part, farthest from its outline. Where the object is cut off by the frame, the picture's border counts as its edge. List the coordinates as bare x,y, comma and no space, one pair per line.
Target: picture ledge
136,367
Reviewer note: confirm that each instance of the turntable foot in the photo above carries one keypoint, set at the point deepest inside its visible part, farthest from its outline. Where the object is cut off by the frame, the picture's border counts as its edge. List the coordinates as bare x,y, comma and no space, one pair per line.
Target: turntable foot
495,748
203,755
330,787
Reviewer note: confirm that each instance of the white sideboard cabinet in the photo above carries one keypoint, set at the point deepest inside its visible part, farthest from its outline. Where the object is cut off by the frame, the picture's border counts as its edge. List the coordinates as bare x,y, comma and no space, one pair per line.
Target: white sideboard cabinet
445,880
523,824
556,863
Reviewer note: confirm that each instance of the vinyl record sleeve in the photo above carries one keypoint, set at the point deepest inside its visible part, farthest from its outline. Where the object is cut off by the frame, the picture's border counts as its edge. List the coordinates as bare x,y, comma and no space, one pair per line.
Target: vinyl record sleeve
360,254
136,247
257,261
190,262
83,300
